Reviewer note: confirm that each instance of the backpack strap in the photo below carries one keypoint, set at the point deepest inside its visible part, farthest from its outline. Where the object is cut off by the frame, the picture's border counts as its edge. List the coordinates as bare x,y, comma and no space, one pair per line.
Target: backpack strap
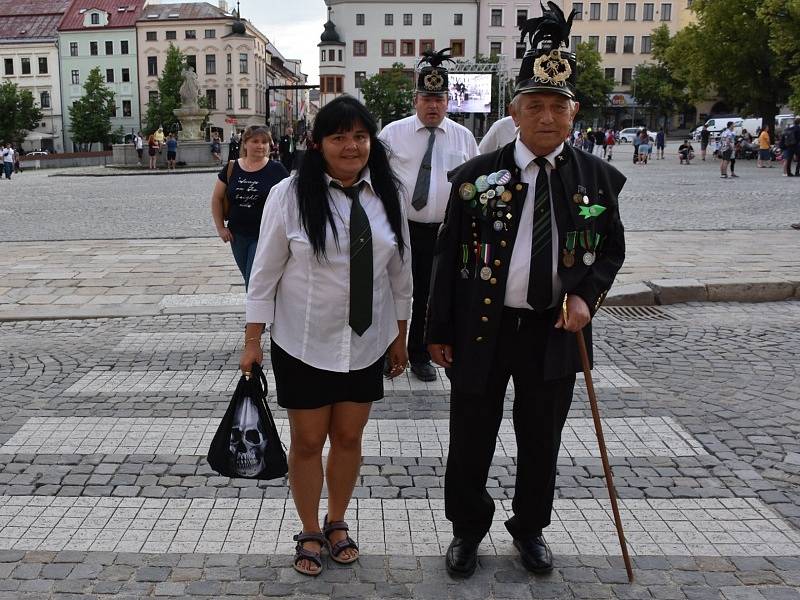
230,171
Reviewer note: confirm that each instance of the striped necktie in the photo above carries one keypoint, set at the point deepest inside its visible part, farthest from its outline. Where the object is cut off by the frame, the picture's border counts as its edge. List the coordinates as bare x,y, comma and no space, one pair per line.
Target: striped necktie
540,283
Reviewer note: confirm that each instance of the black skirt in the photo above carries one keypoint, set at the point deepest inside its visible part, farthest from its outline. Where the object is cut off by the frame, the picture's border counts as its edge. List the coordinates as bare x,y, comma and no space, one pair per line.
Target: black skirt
299,385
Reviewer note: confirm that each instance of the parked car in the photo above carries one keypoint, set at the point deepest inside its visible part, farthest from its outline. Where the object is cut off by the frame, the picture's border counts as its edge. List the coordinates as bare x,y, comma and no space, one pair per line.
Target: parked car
781,123
626,135
35,153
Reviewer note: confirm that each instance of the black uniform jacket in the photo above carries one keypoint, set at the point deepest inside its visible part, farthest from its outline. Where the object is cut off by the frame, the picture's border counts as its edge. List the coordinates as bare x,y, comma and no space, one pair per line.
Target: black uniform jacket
464,309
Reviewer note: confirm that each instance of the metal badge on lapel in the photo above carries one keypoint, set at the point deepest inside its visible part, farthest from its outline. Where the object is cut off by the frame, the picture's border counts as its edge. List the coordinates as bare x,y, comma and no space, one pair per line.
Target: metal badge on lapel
568,254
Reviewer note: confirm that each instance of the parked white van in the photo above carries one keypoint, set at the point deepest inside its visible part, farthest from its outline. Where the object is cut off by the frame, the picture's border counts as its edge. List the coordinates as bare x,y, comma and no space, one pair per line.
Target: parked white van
751,125
717,125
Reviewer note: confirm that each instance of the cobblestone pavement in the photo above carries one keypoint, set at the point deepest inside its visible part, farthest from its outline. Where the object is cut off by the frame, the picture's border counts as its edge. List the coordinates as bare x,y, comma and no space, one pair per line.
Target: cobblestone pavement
658,197
104,490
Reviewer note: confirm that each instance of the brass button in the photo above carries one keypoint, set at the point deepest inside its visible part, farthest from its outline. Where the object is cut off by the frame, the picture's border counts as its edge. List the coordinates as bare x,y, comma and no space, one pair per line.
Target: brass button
518,187
474,234
487,300
503,243
479,339
473,224
497,263
485,319
475,243
493,281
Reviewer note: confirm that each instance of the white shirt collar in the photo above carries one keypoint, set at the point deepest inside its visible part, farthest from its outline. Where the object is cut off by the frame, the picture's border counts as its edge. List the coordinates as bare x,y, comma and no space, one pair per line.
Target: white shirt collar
420,125
524,157
365,177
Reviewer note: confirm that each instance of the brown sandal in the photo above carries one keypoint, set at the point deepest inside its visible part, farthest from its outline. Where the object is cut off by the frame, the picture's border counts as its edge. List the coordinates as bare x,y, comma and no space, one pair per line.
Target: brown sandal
301,553
336,549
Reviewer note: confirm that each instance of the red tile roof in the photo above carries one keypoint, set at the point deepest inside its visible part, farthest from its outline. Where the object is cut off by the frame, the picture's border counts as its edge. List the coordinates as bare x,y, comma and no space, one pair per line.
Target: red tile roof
29,27
184,10
73,18
35,7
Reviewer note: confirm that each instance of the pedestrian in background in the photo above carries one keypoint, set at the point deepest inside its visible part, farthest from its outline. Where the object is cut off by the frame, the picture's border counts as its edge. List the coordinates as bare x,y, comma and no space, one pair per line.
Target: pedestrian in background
790,147
172,151
287,148
233,147
726,148
611,141
246,182
588,142
8,160
138,143
216,148
152,150
160,138
660,143
599,142
705,134
332,276
764,144
645,149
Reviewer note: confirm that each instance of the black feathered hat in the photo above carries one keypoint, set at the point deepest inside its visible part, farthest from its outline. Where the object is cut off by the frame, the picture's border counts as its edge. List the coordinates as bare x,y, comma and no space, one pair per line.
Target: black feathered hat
431,75
546,67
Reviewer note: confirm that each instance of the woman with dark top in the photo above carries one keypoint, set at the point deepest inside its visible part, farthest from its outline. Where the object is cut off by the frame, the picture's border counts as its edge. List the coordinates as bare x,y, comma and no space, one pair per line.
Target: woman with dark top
332,276
246,182
152,149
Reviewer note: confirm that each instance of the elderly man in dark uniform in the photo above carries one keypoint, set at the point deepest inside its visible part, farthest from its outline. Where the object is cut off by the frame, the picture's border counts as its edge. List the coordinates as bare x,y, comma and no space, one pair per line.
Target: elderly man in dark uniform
527,226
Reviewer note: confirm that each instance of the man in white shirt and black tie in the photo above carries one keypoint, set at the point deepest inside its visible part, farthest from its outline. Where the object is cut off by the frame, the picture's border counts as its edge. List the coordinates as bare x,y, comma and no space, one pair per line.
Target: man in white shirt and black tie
423,148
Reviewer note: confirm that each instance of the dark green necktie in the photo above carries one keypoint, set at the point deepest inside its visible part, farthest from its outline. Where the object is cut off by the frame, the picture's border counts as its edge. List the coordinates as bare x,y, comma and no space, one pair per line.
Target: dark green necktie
360,262
423,185
540,284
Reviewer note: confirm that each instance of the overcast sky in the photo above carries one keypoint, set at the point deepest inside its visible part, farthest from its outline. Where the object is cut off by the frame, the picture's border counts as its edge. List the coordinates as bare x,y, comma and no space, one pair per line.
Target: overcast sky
293,26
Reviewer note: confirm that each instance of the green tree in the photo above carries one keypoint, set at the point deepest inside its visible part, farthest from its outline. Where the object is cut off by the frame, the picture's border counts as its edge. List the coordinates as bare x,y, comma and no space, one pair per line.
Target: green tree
783,19
90,116
160,111
592,86
388,95
18,113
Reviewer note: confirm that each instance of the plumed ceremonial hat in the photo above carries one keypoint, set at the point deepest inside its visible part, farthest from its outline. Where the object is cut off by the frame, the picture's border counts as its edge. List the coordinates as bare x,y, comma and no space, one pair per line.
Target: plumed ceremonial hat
547,66
431,75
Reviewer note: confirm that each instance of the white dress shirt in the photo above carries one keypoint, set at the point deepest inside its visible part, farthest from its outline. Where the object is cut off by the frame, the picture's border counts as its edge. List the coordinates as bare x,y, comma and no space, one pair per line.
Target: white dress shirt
307,301
501,132
519,268
407,140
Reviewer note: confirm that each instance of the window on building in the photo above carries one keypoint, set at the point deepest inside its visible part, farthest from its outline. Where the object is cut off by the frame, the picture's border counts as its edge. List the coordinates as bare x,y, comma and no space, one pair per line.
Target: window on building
630,11
359,47
126,75
228,64
243,62
522,16
151,36
613,11
360,76
8,65
25,66
42,60
93,48
331,55
109,48
73,48
388,48
76,77
407,19
191,61
519,50
94,19
109,75
578,8
647,11
594,11
359,18
123,47
322,56
171,35
425,45
495,48
210,34
407,47
211,99
611,44
152,96
594,41
496,17
458,18
647,46
627,76
44,99
126,108
388,19
339,85
627,44
114,111
191,34
666,12
152,66
609,72
230,99
340,55
573,42
244,98
211,64
457,47
427,19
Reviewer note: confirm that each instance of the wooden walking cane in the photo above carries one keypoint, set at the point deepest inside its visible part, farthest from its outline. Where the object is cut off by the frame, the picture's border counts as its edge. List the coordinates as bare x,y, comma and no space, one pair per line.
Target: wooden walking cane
601,442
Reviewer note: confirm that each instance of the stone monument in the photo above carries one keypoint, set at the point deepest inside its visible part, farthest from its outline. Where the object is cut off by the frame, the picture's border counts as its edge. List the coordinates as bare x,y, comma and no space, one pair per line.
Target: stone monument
190,114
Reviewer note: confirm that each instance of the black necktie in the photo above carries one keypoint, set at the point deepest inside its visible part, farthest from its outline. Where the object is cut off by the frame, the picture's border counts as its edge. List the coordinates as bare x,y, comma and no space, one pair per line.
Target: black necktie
423,185
540,284
360,262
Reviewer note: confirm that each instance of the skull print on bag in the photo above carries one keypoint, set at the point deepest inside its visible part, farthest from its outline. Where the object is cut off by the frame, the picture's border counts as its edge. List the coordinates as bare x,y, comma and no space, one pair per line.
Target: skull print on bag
248,440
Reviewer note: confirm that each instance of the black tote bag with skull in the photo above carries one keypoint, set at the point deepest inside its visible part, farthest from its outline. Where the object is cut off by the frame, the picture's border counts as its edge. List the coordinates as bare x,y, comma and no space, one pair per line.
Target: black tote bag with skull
247,444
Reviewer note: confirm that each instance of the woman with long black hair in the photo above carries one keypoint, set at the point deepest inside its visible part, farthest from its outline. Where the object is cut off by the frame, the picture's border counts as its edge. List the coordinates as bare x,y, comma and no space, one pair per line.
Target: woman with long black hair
332,276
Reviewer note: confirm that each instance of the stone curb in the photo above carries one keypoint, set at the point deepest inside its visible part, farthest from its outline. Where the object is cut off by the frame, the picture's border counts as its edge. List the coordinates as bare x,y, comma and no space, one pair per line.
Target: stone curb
136,172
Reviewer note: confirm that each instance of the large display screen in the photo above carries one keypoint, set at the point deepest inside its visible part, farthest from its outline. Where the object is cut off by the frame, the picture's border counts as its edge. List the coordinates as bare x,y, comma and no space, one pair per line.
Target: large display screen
470,93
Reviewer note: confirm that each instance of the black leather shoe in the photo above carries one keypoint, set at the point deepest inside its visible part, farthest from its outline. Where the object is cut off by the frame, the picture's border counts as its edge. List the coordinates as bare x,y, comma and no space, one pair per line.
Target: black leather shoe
535,554
461,558
424,371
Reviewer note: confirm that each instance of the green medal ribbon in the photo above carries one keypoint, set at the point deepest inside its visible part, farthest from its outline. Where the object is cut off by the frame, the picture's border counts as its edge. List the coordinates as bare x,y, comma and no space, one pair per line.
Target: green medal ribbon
571,240
595,210
588,240
464,255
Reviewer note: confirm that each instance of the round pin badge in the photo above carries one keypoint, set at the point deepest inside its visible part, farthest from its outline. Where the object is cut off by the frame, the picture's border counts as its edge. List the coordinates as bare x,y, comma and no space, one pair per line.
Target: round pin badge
506,196
588,259
586,199
483,198
568,258
466,191
486,273
499,189
503,176
577,198
490,194
481,183
498,225
491,179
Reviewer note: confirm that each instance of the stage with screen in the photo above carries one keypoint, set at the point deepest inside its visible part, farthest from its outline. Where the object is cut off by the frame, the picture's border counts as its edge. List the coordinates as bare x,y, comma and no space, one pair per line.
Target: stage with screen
470,93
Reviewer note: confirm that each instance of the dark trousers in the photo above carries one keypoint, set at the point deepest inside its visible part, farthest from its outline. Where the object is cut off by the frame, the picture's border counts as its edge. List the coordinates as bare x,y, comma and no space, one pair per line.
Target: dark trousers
540,411
423,242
